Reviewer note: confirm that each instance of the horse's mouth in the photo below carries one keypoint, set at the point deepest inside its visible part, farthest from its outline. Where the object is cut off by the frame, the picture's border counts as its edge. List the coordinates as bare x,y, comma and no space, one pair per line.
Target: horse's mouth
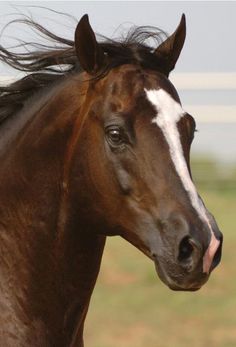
176,288
173,285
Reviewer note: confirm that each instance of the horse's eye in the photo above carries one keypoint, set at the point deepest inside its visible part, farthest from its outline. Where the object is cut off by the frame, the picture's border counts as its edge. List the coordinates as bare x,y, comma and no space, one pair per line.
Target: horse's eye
191,126
115,136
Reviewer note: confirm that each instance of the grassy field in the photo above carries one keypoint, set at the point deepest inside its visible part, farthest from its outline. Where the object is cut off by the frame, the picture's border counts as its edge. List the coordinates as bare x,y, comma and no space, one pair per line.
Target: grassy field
132,308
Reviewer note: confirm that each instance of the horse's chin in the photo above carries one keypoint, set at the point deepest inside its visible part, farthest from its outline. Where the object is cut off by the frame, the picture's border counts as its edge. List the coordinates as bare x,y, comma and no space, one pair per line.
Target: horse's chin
167,280
179,289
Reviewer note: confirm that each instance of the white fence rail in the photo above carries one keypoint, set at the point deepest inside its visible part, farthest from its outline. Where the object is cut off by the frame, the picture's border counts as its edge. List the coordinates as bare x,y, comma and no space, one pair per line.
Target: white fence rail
204,81
208,81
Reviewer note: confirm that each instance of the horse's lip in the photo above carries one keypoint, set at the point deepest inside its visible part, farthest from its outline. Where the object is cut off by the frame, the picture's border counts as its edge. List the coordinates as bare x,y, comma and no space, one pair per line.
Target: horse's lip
178,289
172,284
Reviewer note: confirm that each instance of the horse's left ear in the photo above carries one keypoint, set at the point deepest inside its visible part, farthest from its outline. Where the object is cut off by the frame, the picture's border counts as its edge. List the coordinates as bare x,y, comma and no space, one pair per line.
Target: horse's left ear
168,52
89,53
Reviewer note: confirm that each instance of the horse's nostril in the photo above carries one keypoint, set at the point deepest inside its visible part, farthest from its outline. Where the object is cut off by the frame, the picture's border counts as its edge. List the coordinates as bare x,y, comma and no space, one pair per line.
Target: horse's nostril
185,249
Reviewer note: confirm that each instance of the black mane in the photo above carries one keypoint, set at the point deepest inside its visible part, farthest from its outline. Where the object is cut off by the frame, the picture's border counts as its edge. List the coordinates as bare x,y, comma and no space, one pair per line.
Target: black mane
49,63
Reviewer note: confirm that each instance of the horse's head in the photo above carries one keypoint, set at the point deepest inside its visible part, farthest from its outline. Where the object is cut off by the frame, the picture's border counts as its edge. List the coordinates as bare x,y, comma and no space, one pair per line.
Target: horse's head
138,139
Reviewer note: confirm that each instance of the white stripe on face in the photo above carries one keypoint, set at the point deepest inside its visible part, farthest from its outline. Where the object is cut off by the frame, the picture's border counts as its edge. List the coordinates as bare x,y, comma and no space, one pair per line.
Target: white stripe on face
169,112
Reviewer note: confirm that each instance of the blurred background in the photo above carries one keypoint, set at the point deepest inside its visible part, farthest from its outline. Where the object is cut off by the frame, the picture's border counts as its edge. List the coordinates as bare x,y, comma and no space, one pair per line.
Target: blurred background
130,307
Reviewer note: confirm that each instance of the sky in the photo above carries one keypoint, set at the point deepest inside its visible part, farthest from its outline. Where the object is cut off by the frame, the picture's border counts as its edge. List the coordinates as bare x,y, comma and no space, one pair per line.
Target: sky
211,26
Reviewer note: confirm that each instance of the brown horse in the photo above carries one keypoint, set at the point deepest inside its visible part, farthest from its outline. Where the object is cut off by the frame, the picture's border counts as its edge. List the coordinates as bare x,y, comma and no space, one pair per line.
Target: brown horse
93,142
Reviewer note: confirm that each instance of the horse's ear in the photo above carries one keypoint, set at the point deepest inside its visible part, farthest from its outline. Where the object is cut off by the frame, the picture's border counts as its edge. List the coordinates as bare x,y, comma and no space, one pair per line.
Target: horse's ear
89,53
168,52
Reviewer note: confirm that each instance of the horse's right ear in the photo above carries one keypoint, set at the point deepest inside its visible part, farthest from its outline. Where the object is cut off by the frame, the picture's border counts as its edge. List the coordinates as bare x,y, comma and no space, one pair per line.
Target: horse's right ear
168,52
89,53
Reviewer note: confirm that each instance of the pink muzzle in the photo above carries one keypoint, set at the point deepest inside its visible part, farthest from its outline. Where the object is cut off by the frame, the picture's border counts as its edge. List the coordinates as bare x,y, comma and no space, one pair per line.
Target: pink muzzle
210,253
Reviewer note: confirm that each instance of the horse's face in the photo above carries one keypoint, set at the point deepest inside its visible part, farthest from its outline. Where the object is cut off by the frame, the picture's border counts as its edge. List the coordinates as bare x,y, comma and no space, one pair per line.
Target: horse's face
138,140
146,191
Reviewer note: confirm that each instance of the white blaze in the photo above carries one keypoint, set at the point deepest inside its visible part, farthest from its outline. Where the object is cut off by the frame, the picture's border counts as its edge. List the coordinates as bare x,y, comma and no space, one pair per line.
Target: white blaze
169,112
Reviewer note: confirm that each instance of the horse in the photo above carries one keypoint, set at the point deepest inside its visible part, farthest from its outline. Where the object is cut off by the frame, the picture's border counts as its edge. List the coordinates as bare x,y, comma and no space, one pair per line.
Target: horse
94,142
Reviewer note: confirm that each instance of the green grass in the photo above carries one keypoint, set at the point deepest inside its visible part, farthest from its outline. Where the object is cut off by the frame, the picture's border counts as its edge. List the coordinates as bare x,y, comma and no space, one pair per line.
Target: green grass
130,307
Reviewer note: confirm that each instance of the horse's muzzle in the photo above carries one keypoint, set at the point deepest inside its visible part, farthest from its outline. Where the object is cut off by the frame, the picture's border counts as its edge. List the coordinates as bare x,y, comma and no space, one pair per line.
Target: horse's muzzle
187,271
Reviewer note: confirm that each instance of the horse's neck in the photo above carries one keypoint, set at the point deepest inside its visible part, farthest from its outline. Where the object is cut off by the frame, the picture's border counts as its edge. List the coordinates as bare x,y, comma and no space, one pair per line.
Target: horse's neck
46,274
